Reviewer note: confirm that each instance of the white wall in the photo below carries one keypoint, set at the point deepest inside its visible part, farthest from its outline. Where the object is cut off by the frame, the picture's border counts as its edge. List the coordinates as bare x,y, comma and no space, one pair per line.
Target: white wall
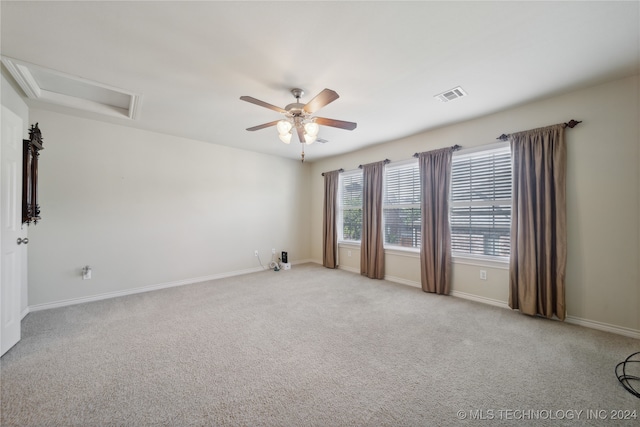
11,98
146,209
603,190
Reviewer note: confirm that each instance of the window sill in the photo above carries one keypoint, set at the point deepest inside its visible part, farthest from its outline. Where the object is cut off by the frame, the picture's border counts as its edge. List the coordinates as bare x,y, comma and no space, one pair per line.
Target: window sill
351,245
491,262
389,250
402,251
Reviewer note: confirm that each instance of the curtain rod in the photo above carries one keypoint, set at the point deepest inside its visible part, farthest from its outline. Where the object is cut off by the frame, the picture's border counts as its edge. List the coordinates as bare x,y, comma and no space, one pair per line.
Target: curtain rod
572,123
339,170
454,148
385,162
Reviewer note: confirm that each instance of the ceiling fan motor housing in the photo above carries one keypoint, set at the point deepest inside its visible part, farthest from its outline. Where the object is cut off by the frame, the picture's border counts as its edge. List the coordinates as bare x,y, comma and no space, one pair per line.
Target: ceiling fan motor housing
295,109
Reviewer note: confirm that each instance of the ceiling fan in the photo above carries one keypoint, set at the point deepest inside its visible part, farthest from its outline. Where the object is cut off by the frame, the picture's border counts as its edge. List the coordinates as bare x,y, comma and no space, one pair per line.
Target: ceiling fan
299,117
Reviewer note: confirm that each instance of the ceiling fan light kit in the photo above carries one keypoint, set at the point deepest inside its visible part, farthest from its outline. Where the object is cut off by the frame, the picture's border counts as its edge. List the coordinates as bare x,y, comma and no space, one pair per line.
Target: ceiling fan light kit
285,137
284,127
298,116
284,131
311,132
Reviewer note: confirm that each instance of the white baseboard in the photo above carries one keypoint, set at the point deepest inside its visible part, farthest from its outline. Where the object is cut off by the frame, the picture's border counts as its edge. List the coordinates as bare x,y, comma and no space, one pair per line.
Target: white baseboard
393,279
387,278
477,298
402,281
107,295
349,269
620,330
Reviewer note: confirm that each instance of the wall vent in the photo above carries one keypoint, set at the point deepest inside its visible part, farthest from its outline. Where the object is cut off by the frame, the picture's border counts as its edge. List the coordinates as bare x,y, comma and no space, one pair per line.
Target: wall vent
451,94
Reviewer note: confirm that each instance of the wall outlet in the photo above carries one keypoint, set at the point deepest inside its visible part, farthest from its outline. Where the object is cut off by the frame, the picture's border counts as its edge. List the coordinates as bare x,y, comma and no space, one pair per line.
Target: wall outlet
273,250
348,253
86,273
483,274
255,253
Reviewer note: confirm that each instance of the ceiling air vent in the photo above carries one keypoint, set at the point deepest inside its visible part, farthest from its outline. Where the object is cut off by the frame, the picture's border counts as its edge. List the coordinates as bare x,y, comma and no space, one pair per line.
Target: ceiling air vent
451,94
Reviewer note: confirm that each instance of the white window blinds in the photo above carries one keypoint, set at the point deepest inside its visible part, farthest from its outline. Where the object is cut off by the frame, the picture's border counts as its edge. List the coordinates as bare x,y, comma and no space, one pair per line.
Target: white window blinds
481,202
350,206
401,205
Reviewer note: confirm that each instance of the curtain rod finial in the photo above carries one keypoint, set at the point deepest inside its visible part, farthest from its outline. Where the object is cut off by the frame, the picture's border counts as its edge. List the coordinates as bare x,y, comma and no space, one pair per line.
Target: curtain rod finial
572,123
338,170
503,137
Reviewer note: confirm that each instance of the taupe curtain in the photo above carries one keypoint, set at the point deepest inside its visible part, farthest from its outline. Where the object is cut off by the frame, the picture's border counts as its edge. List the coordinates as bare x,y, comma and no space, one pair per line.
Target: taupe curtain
538,222
435,246
329,231
372,241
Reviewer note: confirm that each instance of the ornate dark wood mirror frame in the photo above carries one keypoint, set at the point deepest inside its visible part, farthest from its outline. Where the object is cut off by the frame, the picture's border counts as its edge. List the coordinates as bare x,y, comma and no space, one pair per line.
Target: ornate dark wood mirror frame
31,152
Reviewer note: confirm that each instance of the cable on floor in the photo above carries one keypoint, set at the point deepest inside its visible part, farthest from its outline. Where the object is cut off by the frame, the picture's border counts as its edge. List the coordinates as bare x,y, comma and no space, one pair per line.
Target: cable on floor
626,379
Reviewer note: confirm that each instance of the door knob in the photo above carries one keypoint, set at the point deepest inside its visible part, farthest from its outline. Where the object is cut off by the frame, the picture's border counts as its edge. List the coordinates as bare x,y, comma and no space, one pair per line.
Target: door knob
25,240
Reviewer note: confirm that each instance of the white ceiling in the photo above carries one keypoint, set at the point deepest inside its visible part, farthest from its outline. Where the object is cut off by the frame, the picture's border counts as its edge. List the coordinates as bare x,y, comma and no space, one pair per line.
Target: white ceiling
191,61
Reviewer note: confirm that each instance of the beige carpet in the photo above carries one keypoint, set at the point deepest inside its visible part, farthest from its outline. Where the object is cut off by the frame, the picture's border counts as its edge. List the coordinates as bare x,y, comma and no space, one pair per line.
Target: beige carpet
306,347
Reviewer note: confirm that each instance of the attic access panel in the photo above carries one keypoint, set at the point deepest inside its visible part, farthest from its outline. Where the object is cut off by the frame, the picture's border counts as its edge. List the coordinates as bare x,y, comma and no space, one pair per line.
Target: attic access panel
55,87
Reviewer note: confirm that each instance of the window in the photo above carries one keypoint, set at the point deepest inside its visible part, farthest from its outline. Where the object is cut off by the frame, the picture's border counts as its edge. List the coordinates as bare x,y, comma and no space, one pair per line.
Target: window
481,202
350,206
401,205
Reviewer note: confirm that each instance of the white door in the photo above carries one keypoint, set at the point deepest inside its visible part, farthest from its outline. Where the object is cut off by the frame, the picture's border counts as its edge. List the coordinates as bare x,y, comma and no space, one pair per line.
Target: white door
12,252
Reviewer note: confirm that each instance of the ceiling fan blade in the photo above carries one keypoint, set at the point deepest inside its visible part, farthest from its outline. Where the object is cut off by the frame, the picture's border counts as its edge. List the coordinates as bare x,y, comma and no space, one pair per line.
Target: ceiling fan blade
335,123
264,125
262,104
300,134
323,98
